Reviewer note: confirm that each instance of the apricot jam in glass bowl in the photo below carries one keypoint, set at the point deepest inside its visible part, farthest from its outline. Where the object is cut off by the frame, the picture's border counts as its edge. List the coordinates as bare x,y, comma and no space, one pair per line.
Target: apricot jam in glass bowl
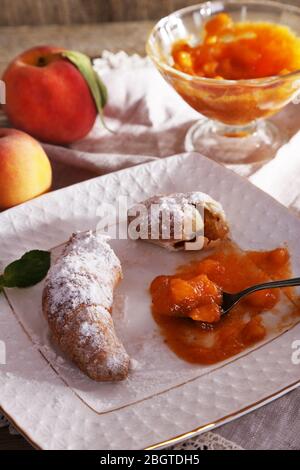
236,63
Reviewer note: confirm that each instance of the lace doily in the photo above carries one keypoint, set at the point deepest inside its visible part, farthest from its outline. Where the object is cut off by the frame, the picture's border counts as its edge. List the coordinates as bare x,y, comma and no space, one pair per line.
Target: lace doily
4,424
207,441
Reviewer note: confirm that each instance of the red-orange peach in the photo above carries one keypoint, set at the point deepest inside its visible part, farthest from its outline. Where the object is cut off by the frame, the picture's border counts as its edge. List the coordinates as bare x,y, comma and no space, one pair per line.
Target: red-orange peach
48,97
25,170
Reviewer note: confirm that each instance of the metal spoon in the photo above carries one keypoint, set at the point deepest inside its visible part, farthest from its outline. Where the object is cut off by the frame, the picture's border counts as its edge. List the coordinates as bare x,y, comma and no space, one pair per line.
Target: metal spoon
230,300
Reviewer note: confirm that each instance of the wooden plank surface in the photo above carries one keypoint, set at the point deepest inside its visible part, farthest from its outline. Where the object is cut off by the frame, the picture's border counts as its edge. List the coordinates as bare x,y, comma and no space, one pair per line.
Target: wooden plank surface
91,39
42,12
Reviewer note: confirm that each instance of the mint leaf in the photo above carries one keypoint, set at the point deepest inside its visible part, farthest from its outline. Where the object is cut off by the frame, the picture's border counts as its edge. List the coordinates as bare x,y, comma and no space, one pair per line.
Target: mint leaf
96,86
27,271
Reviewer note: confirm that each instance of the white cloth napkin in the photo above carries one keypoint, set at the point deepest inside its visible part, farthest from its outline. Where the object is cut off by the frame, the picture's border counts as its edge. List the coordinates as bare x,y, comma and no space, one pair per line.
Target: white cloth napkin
281,176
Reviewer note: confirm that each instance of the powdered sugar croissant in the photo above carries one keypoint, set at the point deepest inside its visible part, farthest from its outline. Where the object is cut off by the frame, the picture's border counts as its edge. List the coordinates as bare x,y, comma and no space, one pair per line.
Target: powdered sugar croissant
77,302
204,216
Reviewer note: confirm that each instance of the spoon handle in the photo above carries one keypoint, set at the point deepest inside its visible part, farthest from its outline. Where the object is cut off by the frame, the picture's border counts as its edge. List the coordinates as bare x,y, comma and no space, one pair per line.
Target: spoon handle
270,285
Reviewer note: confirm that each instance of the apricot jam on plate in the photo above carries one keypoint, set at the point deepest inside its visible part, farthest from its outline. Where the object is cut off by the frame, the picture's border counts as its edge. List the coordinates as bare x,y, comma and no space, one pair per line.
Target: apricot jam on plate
186,305
241,50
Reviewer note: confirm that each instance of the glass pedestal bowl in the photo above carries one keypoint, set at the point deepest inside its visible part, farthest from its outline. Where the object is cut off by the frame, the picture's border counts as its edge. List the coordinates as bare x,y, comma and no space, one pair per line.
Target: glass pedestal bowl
233,126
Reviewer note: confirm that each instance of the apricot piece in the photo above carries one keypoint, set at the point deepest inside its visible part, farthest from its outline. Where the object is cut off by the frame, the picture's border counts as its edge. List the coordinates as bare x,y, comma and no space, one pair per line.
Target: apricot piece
206,289
218,24
207,313
279,257
181,291
211,268
183,59
158,282
264,299
254,331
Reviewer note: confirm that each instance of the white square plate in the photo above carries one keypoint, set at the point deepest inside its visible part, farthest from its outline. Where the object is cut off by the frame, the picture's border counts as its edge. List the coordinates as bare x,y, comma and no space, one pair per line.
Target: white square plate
56,406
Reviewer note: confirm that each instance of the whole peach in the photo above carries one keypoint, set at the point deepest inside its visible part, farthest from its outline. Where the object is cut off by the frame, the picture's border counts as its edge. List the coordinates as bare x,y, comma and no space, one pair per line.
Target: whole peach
48,97
25,170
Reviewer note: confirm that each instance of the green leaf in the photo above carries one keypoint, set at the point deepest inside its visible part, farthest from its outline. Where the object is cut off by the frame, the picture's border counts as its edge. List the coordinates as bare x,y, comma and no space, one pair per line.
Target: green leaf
96,86
102,89
1,283
27,271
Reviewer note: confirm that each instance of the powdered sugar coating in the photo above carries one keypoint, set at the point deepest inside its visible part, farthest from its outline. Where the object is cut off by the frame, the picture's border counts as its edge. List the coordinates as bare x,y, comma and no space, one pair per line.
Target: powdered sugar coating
178,201
84,274
174,210
77,300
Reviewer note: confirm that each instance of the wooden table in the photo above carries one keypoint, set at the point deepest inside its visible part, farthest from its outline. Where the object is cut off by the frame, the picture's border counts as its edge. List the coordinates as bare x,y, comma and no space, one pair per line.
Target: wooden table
90,39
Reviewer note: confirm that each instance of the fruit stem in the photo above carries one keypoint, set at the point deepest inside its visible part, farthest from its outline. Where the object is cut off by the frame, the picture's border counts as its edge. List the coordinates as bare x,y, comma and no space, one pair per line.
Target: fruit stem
41,62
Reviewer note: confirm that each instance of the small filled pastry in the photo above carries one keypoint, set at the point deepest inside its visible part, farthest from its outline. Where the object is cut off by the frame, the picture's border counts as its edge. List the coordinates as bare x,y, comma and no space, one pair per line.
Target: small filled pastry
77,302
172,220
